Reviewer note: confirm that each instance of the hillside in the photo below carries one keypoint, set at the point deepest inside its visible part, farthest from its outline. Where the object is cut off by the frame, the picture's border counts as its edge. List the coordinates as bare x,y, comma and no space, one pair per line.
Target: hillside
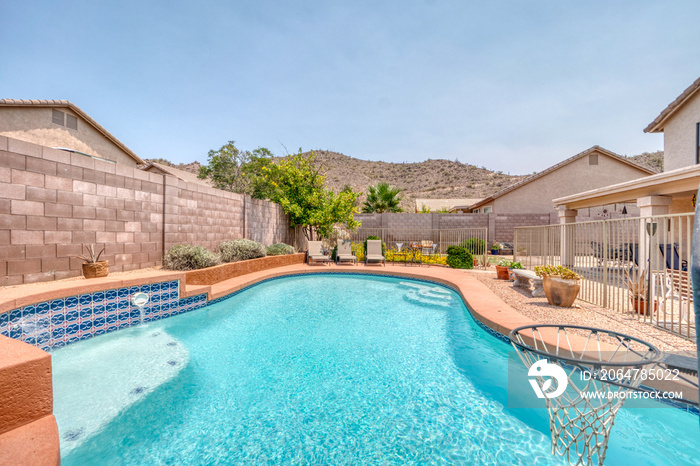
431,179
651,160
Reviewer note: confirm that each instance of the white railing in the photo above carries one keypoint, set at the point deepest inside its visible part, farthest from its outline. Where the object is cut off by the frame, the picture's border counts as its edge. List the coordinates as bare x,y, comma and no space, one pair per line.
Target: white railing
621,258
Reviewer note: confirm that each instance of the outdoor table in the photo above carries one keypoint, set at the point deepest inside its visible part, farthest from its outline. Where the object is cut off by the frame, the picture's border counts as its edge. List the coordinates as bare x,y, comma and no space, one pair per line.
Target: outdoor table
412,250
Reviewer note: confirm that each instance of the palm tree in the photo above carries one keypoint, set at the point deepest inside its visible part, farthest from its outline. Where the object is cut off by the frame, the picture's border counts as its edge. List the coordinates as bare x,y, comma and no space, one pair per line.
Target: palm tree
382,198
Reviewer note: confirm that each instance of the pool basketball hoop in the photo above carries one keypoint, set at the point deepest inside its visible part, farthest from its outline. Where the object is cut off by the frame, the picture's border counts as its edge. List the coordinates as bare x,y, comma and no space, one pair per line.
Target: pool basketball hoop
584,375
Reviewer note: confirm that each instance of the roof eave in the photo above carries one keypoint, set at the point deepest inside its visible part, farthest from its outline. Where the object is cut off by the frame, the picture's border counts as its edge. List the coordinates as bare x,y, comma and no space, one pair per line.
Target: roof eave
679,180
657,126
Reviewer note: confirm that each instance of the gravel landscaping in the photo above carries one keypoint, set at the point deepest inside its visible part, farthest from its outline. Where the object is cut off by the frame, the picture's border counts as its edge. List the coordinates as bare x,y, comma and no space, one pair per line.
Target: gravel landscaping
582,313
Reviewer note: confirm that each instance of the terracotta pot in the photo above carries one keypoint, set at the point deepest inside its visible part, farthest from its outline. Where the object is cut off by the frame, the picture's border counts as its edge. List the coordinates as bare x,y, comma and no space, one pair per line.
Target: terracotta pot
639,305
95,269
476,262
560,292
502,272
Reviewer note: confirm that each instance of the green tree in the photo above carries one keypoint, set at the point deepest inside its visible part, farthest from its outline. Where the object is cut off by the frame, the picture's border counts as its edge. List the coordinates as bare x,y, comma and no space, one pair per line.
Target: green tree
382,198
296,184
226,167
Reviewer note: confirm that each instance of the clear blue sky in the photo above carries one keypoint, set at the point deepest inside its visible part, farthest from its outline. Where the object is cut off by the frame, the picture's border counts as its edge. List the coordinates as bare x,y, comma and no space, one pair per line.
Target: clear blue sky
513,85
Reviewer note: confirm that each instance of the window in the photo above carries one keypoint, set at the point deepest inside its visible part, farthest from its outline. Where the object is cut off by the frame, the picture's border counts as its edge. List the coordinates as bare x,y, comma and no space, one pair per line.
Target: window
57,117
488,210
593,159
476,211
71,122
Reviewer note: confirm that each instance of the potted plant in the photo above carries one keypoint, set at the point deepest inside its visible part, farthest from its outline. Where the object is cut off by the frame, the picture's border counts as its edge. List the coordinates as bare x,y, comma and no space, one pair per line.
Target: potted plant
561,285
93,267
494,248
638,287
504,269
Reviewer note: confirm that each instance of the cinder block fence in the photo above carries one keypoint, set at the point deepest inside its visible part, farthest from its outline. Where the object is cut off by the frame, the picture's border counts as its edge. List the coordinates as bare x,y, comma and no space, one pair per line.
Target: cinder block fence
52,202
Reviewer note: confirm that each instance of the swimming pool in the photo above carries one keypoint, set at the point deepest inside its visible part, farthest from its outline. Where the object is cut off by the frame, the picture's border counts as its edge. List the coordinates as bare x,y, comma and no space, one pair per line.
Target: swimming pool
330,369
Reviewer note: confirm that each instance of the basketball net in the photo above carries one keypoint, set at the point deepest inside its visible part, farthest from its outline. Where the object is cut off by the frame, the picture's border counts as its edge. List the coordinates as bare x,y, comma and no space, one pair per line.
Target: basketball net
599,370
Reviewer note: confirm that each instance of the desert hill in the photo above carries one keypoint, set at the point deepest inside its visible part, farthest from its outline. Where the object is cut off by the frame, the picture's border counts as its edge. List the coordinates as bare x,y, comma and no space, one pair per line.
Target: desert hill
431,179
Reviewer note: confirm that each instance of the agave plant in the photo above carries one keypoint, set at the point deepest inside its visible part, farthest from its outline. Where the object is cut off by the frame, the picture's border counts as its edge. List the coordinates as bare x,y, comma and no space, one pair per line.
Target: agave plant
90,257
637,285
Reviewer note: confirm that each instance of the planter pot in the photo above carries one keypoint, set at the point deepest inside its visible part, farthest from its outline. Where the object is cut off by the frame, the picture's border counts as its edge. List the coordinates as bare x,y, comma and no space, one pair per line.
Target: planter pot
476,262
640,306
560,292
95,269
494,252
502,272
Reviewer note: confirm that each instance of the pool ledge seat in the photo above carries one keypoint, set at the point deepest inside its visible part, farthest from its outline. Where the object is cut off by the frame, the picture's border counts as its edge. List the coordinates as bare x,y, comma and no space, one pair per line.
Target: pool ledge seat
28,430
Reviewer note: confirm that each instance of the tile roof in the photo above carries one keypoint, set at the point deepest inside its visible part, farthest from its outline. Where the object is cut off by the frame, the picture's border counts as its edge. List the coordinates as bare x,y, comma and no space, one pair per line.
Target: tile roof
180,174
437,204
76,109
657,126
549,170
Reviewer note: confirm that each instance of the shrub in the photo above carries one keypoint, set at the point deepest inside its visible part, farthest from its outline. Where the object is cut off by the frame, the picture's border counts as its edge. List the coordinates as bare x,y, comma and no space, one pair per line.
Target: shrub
279,249
383,245
459,258
556,271
189,257
240,249
476,246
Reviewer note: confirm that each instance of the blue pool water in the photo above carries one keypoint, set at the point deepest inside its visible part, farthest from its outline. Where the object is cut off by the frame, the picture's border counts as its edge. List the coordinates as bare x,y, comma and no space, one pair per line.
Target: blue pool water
322,369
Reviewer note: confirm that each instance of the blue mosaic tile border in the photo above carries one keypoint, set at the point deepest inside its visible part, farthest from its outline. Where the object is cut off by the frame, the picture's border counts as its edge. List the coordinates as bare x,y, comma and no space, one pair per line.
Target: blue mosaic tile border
54,324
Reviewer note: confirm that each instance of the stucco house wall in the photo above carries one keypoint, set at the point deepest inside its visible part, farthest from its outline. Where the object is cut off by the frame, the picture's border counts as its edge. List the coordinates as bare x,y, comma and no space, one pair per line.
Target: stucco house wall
577,176
680,135
34,124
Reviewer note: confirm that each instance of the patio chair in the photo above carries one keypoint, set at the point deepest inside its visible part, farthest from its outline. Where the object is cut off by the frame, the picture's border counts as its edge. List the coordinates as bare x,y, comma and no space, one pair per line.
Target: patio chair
675,281
344,253
315,254
427,250
374,252
673,260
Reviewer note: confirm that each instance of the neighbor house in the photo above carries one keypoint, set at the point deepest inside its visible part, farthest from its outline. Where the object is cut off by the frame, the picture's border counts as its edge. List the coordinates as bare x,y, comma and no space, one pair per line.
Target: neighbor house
594,167
62,124
162,169
669,192
442,205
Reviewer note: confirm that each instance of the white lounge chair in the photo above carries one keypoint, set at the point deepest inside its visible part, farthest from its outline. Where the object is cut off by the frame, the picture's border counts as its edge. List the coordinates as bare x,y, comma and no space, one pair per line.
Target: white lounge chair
315,254
374,252
344,252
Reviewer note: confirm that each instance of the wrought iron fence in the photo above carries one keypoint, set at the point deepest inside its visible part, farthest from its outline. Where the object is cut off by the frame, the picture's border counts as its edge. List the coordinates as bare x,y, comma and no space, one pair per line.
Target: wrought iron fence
399,238
638,266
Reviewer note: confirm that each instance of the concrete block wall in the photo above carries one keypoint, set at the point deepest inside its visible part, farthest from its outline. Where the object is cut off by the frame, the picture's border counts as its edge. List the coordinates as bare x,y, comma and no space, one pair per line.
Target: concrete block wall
266,222
53,202
198,214
500,226
506,223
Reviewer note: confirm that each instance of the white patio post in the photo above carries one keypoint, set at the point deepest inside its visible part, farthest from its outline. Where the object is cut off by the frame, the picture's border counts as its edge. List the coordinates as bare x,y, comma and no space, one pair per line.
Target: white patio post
650,206
568,237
